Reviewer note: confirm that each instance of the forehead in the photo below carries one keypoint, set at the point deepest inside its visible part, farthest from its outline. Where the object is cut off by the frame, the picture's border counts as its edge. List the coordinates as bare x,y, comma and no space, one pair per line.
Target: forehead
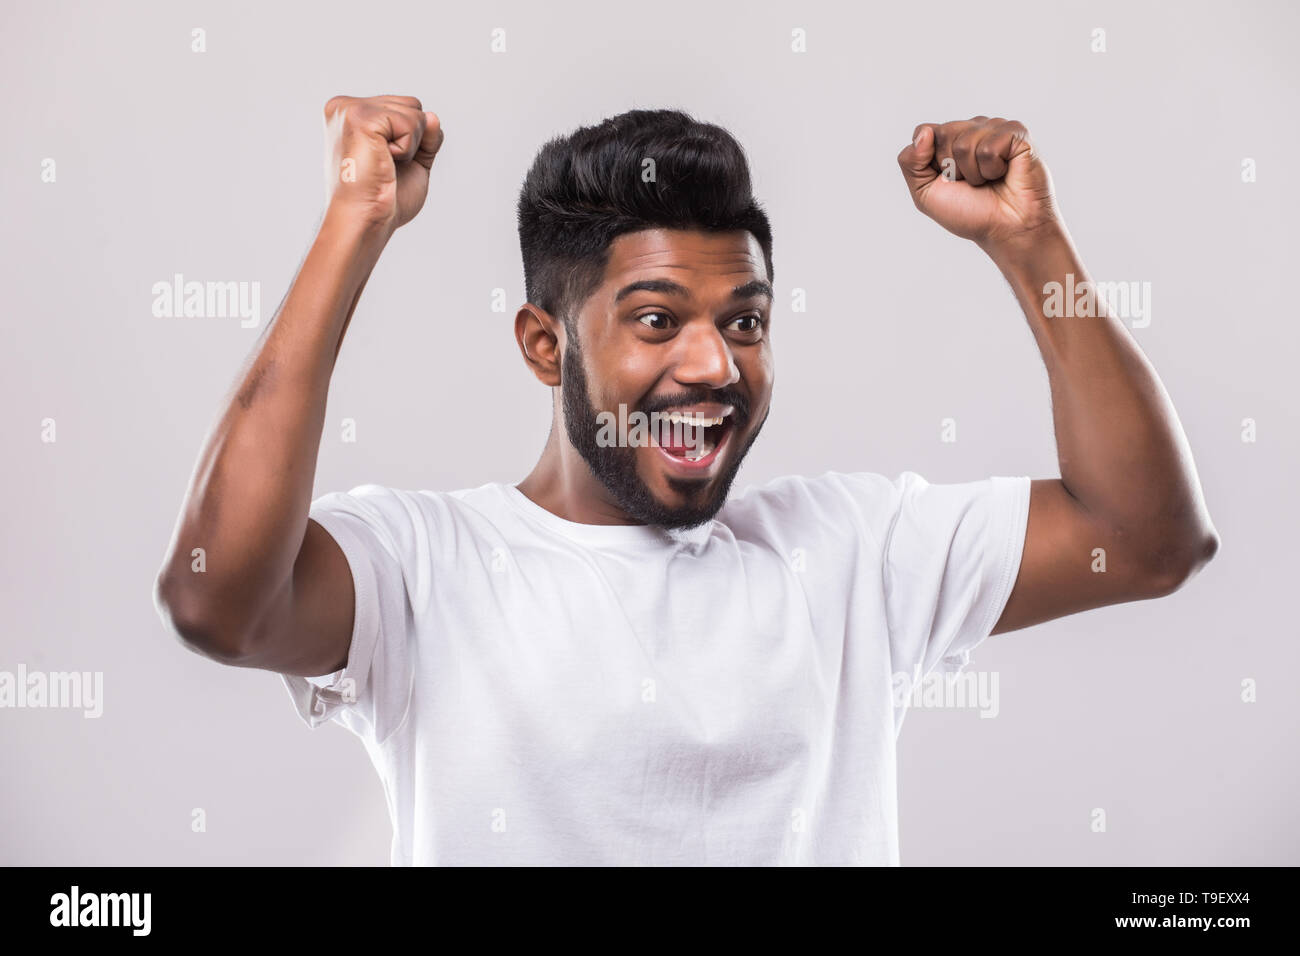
688,255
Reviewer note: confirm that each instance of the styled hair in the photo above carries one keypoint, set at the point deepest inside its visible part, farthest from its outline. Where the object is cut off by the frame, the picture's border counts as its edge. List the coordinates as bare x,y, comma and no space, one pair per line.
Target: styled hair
585,189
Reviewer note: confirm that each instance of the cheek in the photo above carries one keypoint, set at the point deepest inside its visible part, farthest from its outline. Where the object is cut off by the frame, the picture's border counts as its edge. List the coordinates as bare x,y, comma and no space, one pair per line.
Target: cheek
628,379
759,373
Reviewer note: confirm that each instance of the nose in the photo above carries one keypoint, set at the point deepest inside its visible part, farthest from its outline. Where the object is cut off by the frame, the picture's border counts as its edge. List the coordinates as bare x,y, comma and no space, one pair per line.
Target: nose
704,358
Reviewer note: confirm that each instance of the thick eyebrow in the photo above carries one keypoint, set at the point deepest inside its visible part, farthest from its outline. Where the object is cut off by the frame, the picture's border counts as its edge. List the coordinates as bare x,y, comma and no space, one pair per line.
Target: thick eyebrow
750,290
756,287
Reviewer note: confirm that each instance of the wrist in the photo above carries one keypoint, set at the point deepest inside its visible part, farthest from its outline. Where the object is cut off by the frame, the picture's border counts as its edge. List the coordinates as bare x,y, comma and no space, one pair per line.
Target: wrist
345,227
1028,249
1032,262
347,247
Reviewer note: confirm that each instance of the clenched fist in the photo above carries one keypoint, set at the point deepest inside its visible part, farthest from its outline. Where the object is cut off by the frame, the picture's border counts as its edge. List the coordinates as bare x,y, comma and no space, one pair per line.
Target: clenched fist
980,179
378,153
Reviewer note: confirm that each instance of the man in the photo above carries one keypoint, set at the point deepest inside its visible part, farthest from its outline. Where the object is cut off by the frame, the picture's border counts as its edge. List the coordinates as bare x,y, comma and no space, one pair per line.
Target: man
612,661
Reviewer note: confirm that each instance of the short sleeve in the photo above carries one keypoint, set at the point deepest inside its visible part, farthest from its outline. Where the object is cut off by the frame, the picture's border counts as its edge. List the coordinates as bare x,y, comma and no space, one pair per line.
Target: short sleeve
371,693
951,558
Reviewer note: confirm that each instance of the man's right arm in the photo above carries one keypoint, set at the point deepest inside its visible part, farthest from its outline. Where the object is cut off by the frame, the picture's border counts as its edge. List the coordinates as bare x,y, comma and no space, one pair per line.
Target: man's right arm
275,590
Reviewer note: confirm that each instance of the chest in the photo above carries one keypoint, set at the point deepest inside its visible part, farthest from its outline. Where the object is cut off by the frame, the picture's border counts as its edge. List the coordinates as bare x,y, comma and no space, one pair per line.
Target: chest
631,674
659,711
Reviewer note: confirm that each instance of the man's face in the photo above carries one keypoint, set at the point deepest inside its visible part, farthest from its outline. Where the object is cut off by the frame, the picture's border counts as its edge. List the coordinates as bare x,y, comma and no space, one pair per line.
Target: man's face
680,324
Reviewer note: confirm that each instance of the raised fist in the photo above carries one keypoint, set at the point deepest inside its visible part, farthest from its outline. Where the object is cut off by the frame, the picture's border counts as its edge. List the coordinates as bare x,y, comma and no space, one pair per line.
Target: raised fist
980,179
378,153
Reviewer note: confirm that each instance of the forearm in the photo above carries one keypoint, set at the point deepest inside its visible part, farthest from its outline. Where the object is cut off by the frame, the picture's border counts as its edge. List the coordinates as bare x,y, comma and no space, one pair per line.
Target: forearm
249,497
1123,454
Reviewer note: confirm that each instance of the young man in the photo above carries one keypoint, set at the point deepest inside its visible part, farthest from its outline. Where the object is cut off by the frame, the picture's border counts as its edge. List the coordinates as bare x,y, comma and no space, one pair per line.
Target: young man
612,662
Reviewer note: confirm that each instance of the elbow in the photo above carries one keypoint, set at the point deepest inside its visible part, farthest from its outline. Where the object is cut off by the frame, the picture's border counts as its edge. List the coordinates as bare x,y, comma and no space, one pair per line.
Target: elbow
1175,565
193,621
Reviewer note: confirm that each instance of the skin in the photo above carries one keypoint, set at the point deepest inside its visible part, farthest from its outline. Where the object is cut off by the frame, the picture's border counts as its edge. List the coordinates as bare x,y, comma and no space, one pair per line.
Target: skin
670,349
277,592
1128,483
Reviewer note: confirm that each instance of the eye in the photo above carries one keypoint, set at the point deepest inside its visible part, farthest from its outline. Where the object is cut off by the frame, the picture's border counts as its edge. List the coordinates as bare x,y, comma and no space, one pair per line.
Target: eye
747,323
659,321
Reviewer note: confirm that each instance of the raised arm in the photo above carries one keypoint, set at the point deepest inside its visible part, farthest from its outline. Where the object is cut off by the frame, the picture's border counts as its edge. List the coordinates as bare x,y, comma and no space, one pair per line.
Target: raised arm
270,588
1128,484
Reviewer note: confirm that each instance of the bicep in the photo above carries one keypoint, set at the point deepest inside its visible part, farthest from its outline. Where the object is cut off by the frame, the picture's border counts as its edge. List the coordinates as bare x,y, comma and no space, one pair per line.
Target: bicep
308,629
1070,563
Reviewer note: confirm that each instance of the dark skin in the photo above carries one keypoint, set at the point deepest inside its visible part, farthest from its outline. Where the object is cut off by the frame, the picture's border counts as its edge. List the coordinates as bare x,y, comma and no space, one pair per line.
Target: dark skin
277,592
1127,485
701,335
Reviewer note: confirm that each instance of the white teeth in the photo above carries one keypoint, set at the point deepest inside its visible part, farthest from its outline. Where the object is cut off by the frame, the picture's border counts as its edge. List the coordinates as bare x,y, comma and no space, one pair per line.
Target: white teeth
704,444
677,418
705,447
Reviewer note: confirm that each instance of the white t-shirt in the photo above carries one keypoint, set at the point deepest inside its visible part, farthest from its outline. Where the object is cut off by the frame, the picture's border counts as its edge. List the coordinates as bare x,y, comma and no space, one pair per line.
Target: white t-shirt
534,691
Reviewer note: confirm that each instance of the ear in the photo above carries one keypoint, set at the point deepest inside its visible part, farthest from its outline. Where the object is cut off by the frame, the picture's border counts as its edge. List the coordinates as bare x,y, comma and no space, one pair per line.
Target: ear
540,337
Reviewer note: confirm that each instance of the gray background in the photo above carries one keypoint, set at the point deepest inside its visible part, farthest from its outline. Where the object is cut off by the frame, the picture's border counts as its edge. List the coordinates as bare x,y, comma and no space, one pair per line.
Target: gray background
210,165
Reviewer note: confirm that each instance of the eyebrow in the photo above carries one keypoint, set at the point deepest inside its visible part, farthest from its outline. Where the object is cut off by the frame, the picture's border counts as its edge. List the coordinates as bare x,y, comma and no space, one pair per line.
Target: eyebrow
748,290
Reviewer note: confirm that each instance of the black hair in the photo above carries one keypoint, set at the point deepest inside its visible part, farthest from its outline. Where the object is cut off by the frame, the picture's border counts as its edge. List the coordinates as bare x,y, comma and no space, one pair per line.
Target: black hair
587,188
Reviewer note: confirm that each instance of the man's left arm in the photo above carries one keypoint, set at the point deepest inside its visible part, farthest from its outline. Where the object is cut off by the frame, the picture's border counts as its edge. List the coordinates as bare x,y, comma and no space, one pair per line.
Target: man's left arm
1128,484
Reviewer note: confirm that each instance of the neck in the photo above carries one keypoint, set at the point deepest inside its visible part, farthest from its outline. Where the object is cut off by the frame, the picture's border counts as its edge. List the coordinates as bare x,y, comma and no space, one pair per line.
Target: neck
562,483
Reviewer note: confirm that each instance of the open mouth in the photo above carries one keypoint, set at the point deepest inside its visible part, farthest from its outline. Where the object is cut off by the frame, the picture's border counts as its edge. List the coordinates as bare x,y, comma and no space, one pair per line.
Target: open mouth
692,440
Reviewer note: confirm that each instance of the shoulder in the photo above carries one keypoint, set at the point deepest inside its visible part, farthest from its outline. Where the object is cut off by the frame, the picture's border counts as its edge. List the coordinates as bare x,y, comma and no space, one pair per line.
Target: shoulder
863,489
857,502
405,519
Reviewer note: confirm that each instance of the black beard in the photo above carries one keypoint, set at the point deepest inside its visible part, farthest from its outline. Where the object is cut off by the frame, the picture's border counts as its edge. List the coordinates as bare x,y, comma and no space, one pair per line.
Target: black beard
615,467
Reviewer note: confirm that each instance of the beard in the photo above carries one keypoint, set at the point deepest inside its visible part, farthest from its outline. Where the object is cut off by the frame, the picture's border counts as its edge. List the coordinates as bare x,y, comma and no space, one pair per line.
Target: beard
616,468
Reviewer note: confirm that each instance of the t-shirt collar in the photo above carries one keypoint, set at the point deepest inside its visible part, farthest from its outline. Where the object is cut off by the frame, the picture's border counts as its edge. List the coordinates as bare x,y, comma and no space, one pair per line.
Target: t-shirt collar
642,536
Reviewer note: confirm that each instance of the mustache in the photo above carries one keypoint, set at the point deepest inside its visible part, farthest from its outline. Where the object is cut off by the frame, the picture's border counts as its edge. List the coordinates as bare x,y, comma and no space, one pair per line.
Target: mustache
719,396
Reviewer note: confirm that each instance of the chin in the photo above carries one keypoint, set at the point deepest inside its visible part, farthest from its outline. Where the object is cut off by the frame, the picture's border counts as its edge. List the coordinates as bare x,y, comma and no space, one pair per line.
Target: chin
678,512
678,503
656,488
